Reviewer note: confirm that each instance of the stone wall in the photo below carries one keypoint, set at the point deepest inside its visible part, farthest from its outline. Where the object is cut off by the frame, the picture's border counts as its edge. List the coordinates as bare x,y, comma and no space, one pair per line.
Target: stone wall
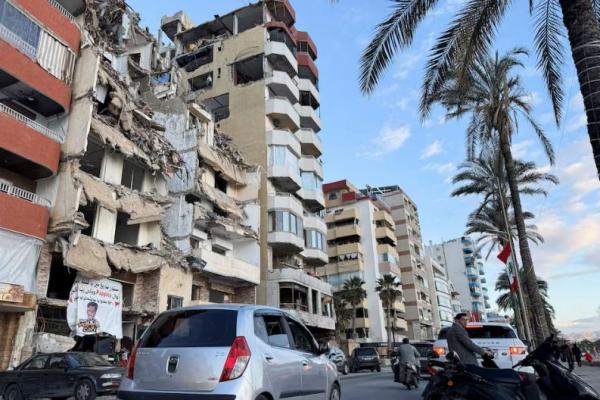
245,295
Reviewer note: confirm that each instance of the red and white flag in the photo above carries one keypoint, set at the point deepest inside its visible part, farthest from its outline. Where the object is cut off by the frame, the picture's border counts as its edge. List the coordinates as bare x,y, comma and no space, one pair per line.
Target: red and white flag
504,256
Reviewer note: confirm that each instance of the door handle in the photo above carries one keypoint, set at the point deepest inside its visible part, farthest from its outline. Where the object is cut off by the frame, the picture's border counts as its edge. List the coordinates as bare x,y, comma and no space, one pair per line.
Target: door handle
268,357
304,363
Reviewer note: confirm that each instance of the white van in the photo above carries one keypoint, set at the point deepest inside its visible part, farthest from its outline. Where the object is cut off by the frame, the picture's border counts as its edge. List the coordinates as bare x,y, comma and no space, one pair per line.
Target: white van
501,338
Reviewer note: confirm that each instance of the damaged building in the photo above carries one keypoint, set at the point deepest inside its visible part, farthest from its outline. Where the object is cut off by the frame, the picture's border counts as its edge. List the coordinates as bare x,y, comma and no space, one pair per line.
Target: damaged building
256,75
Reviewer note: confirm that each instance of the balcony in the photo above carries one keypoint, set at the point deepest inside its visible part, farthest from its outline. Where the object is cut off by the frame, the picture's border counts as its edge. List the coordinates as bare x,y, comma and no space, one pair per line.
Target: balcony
342,215
399,306
386,235
389,268
309,118
283,85
341,249
384,216
342,267
283,137
286,202
401,324
310,142
307,67
312,254
282,113
282,10
311,164
343,231
286,239
281,57
363,323
472,272
228,268
306,85
23,212
313,199
27,147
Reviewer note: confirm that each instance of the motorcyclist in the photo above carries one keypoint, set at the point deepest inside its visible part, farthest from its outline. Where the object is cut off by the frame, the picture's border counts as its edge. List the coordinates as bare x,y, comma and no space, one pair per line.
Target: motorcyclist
405,353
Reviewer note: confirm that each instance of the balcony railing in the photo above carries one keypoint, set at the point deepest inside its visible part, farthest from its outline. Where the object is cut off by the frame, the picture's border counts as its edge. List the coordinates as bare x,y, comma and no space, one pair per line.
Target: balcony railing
294,306
16,41
63,10
54,135
24,194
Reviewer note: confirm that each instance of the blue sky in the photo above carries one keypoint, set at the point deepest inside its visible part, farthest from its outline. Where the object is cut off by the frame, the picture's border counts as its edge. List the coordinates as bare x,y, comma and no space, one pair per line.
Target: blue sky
380,140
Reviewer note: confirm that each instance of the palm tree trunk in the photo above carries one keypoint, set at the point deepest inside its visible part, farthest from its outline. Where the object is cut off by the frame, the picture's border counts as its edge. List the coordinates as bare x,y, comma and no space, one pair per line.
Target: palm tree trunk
353,321
582,25
389,335
540,326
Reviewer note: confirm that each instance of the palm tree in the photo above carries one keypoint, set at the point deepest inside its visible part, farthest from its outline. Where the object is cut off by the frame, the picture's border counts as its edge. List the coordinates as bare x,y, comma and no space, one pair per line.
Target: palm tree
354,294
505,300
470,35
496,101
388,289
342,314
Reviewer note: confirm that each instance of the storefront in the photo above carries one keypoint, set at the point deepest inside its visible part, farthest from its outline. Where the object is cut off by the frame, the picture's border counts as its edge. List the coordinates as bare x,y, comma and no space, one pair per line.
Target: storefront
14,304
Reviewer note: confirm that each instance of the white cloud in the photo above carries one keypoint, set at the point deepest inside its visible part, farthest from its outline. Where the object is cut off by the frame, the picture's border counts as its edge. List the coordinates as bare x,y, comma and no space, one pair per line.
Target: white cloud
434,148
388,140
407,64
533,98
520,149
387,90
441,169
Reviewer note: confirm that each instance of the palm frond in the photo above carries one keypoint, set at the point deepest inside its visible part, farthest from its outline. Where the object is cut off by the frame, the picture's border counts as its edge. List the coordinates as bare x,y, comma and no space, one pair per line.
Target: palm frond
549,30
395,32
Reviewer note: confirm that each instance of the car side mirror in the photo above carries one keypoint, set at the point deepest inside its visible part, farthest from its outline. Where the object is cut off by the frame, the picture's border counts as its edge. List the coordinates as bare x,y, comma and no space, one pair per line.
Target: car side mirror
323,348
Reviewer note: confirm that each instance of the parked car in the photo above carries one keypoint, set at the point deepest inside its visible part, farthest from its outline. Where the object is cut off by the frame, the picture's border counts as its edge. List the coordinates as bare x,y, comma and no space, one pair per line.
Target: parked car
425,349
501,338
364,358
225,351
61,375
338,357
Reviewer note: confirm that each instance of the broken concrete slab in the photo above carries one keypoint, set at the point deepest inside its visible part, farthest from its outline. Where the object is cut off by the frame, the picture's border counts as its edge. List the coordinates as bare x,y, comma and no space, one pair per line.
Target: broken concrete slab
140,210
98,191
133,260
87,256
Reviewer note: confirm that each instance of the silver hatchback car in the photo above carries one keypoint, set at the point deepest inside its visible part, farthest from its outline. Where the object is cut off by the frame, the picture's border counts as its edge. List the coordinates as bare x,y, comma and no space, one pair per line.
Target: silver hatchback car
227,352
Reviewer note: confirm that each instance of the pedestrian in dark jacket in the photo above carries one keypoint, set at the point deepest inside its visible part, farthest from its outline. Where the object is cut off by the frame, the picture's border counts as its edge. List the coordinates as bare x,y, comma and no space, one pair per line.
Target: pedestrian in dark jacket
577,354
459,341
567,356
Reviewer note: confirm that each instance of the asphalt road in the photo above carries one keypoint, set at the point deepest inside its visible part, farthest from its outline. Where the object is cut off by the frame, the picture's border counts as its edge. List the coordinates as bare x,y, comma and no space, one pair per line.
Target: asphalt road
377,385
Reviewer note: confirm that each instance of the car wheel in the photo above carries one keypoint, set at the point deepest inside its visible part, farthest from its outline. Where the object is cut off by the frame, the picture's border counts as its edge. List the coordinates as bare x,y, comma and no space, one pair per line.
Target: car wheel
379,368
345,369
372,369
13,393
84,390
262,397
335,393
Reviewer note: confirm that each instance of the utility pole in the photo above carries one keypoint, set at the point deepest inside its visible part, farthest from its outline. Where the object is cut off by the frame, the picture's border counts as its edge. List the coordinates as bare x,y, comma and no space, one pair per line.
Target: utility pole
523,311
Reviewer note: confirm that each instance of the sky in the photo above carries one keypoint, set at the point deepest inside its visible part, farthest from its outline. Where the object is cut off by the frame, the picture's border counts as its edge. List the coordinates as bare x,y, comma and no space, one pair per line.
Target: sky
381,140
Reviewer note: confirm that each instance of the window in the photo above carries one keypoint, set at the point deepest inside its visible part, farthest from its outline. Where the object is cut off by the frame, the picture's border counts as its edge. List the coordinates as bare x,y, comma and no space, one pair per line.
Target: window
61,278
219,249
192,328
285,221
125,233
310,181
133,176
315,304
248,70
200,82
333,196
91,162
484,332
441,287
303,340
216,296
174,302
326,306
18,23
387,257
58,362
194,242
220,183
314,239
87,360
444,301
362,313
38,362
271,329
283,156
292,296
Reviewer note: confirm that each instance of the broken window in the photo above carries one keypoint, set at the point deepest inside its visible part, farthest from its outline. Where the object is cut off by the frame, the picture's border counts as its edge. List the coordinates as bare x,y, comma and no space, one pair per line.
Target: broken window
195,59
196,290
219,250
136,57
248,70
174,302
127,294
215,296
220,183
218,106
124,233
89,212
194,243
91,162
200,82
133,176
52,320
61,279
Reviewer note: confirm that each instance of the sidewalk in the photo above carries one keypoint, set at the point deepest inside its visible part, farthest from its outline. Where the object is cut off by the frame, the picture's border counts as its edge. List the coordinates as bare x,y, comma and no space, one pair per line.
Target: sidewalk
591,375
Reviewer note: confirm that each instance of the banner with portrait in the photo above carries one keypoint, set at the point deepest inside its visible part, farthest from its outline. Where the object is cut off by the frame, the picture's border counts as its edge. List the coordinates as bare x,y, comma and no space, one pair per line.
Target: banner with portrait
95,306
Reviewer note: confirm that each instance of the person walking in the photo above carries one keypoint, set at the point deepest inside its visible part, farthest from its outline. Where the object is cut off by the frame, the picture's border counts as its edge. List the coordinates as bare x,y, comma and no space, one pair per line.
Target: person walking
567,356
577,354
459,341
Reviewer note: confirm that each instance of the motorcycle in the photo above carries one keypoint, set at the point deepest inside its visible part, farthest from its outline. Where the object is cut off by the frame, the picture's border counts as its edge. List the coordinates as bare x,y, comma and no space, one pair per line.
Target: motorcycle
551,380
407,373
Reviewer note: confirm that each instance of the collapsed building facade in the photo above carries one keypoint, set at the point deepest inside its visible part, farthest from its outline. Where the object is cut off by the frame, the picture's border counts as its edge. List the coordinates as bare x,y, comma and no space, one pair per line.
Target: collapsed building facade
256,74
142,192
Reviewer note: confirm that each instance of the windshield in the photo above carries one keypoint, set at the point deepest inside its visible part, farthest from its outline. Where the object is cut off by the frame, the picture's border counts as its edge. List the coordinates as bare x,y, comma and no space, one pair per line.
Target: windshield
365,351
485,332
424,349
88,360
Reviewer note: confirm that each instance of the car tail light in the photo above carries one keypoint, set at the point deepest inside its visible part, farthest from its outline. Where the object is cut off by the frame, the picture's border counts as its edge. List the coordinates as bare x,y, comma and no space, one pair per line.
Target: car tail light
440,351
432,371
237,360
131,363
516,350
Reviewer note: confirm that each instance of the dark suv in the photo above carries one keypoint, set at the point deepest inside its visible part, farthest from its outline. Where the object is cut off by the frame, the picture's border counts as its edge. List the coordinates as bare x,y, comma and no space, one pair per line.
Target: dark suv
364,358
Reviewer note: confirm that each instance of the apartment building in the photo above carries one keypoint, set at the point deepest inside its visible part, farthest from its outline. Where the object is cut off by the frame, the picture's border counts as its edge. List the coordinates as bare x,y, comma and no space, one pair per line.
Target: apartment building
256,74
466,271
441,294
361,242
39,43
416,280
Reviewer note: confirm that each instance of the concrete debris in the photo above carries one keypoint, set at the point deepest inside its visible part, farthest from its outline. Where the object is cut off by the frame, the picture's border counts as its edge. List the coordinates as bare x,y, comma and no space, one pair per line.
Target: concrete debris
88,256
212,221
220,161
219,199
115,139
52,343
225,146
140,210
135,261
95,190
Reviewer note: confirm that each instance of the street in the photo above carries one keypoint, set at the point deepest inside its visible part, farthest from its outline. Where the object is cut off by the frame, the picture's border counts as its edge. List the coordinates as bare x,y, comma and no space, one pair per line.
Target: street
377,385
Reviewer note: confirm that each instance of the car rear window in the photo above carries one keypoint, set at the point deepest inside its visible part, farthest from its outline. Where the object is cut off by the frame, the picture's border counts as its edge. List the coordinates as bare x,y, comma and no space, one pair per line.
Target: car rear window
366,351
424,349
485,332
192,328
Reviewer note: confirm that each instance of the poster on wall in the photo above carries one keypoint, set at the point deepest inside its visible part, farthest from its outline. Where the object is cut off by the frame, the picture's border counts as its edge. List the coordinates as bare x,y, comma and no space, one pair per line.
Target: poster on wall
95,306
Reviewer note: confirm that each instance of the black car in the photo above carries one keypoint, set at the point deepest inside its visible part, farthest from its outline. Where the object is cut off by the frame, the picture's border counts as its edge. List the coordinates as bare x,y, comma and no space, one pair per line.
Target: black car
364,358
59,376
426,350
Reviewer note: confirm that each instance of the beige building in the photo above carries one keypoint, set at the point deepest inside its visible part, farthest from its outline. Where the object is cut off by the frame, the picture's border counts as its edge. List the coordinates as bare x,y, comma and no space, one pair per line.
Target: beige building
361,242
416,277
255,73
